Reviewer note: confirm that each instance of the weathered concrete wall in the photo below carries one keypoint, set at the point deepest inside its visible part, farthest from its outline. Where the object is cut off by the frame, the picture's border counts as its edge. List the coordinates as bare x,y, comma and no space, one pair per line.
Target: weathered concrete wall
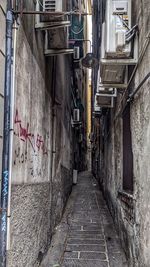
140,123
131,211
30,218
2,72
39,187
62,149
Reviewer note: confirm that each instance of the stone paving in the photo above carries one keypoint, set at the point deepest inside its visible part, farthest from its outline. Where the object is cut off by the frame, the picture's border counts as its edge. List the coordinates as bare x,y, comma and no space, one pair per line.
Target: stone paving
92,239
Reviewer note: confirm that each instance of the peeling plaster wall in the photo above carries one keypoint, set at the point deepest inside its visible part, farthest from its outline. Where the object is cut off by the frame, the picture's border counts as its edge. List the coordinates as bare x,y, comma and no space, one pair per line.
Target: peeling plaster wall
131,212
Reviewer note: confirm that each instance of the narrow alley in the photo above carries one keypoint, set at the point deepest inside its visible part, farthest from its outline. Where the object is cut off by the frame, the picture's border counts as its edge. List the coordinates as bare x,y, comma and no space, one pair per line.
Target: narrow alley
74,133
92,239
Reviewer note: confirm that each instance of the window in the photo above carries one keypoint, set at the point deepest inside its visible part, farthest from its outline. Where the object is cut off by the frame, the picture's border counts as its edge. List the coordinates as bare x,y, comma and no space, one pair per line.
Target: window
127,152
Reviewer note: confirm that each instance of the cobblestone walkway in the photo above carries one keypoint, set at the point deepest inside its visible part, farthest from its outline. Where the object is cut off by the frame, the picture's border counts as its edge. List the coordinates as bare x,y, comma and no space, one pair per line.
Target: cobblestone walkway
92,239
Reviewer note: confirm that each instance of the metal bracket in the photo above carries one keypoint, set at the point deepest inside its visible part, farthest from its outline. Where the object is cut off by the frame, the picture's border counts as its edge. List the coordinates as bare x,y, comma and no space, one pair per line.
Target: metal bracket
113,85
55,52
43,26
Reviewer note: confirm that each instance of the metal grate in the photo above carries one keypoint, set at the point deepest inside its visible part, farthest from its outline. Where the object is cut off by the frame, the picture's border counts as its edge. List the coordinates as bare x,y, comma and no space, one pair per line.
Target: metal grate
52,5
49,5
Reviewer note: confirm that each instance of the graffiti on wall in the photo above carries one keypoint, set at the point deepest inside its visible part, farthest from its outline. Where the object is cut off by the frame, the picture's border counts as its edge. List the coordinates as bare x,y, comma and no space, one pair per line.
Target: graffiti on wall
36,140
32,149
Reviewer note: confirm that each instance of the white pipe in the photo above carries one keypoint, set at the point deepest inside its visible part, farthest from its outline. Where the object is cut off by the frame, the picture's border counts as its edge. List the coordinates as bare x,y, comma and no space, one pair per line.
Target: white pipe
37,16
11,136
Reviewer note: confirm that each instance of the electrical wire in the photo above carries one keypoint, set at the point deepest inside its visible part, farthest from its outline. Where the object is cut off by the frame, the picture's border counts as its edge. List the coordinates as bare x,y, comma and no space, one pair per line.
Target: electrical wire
125,24
78,31
40,3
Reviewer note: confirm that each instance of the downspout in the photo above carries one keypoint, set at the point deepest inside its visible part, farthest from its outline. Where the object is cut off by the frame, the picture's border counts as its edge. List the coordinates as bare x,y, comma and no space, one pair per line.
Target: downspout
54,122
53,138
15,28
6,135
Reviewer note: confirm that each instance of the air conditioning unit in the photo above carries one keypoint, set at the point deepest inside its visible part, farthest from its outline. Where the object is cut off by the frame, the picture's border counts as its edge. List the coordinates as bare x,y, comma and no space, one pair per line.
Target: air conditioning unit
105,102
53,5
117,50
76,115
44,23
116,25
113,76
97,110
105,98
76,55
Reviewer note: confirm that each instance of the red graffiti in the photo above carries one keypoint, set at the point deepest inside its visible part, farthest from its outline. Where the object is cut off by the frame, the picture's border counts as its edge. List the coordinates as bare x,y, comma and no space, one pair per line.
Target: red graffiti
25,135
40,144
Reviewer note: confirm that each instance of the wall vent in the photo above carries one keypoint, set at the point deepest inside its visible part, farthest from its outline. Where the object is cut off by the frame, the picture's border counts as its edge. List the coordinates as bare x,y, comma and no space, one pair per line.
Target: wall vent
52,5
120,7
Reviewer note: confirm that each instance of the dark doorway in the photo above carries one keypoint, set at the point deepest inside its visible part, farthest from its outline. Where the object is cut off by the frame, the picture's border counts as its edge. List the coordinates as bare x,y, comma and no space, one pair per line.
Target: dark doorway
127,152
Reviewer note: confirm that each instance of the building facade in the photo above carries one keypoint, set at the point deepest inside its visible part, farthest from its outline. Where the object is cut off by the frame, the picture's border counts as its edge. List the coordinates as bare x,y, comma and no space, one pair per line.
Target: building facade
47,141
43,139
121,147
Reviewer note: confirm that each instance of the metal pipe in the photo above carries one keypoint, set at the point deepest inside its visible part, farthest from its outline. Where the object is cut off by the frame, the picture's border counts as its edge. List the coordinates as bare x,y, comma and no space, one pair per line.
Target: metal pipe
49,13
6,136
135,27
131,96
130,38
11,134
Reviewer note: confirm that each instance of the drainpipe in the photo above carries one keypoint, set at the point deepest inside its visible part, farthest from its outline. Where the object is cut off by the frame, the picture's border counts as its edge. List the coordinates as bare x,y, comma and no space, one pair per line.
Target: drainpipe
15,28
54,121
6,136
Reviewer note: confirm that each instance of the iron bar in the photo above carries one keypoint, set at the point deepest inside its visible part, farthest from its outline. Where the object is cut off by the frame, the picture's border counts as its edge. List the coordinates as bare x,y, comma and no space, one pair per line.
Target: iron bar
131,96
